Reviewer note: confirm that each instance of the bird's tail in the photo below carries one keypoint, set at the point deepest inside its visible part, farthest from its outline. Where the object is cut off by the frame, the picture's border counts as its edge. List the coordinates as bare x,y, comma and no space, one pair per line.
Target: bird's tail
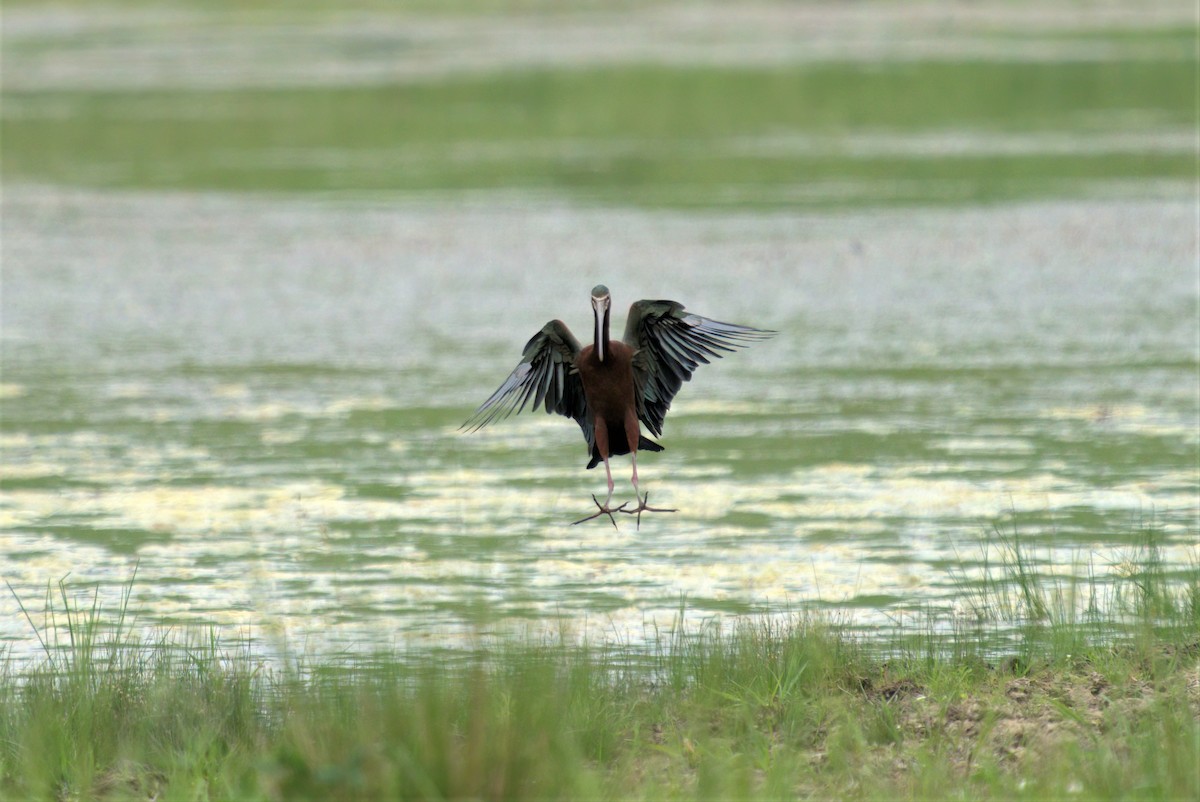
649,445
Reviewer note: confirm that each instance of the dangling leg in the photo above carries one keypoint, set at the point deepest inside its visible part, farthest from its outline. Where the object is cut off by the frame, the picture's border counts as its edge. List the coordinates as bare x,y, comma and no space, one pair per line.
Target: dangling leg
608,474
633,434
602,447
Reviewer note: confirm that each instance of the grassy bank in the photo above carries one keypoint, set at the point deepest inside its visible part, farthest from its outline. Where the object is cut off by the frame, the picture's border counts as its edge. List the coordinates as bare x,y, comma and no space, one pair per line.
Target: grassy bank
1066,704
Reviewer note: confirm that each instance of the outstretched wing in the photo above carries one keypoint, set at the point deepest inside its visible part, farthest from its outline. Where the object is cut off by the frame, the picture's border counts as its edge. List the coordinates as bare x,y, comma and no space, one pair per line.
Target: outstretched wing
669,345
546,375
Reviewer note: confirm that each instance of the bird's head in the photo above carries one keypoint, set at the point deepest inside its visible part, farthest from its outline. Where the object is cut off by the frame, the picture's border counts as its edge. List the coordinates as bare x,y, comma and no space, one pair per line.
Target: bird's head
600,298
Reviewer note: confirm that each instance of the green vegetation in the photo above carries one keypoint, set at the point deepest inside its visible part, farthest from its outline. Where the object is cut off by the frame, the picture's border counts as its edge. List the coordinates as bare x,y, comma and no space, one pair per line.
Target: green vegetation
654,135
1073,704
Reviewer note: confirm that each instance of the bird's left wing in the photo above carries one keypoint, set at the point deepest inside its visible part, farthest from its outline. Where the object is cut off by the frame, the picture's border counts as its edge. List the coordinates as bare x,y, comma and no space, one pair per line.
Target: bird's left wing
546,374
670,343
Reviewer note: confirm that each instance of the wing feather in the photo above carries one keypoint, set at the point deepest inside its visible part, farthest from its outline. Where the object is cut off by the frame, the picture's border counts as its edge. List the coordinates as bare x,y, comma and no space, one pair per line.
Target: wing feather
545,376
669,345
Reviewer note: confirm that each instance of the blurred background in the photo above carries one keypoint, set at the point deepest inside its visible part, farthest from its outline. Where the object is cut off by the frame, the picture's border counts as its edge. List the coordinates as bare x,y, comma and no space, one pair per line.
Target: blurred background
261,259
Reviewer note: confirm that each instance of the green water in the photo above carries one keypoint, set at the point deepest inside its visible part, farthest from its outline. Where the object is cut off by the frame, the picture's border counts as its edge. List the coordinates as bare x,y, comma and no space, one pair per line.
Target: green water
244,313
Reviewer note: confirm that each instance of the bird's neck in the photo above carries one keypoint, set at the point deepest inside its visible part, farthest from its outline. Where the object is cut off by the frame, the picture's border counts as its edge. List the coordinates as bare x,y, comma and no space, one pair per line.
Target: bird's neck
601,341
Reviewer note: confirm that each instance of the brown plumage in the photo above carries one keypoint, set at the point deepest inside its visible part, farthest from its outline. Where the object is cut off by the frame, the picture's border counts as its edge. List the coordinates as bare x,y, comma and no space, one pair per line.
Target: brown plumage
613,386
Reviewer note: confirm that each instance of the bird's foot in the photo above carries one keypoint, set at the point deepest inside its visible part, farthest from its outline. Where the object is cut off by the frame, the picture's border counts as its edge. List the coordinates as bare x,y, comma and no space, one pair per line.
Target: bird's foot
604,510
643,506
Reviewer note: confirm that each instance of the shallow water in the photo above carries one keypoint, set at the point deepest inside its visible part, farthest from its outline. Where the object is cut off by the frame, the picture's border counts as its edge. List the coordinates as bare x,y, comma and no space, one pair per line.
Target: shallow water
257,401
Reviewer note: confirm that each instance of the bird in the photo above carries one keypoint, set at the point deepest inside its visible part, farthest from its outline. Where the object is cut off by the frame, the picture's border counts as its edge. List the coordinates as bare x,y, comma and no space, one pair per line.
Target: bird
613,387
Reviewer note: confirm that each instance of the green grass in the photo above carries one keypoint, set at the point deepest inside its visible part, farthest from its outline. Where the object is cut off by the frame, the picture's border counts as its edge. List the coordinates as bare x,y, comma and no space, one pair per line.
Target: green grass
631,134
1072,704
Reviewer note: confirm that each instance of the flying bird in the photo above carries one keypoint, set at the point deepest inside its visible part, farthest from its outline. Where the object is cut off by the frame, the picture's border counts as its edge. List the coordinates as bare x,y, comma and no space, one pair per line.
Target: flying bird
611,387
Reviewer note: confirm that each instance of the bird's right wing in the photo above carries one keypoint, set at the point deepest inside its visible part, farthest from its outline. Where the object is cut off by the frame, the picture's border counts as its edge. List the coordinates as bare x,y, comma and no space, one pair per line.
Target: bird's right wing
546,375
